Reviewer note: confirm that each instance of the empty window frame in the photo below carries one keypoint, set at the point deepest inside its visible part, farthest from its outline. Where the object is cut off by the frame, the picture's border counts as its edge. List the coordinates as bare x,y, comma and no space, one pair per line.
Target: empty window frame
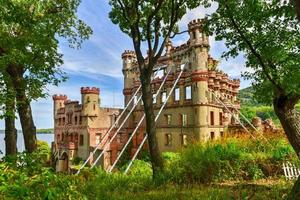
221,118
98,138
188,92
154,98
183,119
212,118
177,94
168,119
222,134
163,97
168,139
76,120
81,138
212,135
184,140
135,100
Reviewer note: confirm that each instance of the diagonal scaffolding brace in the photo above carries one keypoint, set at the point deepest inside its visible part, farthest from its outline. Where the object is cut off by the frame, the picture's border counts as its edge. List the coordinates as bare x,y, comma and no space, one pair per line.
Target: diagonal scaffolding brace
245,118
156,118
106,146
138,125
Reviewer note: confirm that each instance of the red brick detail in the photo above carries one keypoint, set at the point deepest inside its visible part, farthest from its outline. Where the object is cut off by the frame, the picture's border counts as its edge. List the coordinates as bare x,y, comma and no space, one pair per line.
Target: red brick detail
59,97
88,90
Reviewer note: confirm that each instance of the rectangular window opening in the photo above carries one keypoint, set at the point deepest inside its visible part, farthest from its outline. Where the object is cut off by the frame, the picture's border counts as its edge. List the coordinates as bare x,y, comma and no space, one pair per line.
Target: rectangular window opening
163,97
188,92
212,119
168,139
184,140
81,140
177,94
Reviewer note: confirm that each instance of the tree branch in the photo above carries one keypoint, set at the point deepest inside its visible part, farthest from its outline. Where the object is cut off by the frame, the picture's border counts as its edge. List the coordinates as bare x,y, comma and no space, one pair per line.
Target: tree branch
179,33
252,49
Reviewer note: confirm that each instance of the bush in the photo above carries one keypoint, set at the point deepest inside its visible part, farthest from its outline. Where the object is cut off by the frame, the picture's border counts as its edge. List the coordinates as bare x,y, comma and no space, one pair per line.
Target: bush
25,176
233,159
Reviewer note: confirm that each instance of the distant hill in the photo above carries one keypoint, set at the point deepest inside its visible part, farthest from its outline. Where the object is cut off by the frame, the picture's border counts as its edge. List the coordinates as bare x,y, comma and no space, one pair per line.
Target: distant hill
246,97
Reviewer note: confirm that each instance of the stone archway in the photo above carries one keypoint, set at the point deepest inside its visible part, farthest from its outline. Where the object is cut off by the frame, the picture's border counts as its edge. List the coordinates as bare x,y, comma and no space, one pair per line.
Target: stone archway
64,162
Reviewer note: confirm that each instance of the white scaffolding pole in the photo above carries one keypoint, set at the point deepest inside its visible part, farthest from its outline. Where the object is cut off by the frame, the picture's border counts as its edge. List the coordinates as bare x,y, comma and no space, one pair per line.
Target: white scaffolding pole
139,124
245,118
106,146
156,118
232,114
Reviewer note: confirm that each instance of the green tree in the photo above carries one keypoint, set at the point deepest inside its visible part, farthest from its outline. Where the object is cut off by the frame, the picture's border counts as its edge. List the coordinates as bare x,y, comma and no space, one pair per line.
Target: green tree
268,33
29,32
150,24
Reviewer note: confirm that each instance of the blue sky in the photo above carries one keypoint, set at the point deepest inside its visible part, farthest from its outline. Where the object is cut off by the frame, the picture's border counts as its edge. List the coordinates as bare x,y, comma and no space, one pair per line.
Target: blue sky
98,63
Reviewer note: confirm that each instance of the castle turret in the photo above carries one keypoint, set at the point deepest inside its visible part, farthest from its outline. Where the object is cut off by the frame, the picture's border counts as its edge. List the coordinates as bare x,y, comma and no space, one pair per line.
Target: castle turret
129,58
90,101
199,57
59,102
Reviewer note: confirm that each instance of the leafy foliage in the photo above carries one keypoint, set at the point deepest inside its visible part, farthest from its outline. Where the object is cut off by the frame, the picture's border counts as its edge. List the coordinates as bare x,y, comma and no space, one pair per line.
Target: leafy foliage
259,30
29,32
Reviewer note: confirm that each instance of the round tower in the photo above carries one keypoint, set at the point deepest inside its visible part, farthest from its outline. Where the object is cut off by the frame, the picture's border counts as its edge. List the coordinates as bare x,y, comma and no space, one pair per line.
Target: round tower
90,101
199,59
129,58
59,102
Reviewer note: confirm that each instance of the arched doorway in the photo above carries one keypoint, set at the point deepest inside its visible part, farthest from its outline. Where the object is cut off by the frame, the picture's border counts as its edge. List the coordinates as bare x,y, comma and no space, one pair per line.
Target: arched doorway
64,160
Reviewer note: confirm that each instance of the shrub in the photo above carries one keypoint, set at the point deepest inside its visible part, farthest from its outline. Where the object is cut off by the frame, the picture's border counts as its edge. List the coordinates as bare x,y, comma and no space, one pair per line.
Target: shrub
232,159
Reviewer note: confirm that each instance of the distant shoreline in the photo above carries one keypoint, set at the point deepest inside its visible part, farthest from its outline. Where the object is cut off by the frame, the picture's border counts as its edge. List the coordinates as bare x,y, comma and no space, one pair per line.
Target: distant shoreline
38,131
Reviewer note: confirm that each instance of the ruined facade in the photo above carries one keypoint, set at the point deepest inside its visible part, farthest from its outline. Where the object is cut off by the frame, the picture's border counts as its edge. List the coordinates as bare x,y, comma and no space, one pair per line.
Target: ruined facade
193,112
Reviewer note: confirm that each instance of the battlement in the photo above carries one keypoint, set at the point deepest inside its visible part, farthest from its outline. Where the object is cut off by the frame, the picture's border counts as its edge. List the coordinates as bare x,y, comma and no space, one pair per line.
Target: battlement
128,54
59,97
197,23
90,90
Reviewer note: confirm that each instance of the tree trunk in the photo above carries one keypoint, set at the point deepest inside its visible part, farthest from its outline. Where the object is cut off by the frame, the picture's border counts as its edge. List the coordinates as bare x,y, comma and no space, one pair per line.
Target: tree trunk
290,120
23,106
10,129
297,7
156,159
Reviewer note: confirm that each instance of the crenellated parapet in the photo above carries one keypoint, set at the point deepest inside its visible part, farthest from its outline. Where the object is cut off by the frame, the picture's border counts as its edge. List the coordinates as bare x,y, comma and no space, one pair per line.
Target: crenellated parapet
90,90
196,24
128,54
198,37
59,97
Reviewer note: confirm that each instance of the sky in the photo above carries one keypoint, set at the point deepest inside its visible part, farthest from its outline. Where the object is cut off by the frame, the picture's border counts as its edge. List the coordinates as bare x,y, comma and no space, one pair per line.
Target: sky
98,63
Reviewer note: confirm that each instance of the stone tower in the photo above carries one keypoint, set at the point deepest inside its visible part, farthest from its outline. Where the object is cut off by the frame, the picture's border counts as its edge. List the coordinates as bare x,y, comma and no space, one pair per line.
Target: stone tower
90,101
129,58
59,102
199,66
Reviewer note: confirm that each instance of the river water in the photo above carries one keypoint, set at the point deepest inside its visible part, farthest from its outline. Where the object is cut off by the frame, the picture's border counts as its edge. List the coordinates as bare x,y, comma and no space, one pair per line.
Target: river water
21,146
